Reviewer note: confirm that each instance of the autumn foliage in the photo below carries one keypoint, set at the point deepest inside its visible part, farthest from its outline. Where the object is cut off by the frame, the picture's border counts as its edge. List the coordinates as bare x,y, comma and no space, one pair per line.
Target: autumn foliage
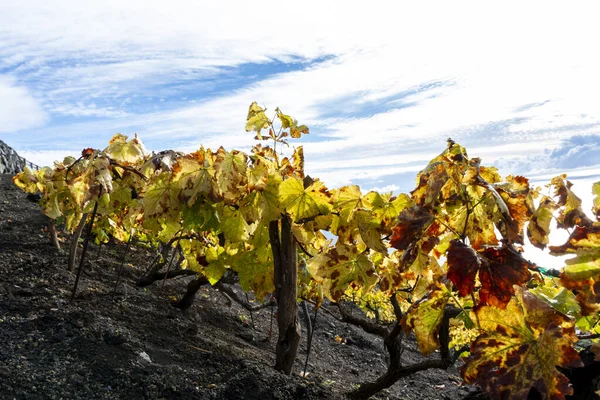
455,241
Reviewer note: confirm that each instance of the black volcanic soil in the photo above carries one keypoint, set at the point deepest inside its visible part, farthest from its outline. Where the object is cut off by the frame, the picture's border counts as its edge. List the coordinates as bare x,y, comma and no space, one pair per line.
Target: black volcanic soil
135,345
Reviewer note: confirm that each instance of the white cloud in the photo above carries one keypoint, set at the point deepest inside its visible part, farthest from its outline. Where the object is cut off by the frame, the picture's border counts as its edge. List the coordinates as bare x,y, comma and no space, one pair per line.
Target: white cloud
386,189
18,109
46,158
509,81
86,110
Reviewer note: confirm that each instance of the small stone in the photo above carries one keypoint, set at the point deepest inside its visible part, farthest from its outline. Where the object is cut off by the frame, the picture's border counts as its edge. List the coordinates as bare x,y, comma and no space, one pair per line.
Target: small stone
247,336
114,338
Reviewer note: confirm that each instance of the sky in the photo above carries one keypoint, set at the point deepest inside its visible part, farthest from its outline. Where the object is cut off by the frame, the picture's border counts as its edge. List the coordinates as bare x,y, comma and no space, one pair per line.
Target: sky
381,85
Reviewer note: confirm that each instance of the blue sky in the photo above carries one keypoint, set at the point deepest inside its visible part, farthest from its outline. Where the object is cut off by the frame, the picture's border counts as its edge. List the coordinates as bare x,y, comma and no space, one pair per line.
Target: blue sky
381,87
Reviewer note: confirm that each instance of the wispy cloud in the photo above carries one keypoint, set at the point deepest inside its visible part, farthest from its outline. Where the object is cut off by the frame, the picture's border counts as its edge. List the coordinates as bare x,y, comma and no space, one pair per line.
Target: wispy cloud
382,87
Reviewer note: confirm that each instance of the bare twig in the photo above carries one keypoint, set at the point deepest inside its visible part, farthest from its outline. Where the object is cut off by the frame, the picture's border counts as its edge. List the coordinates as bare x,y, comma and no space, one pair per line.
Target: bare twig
364,323
85,247
235,297
148,280
130,169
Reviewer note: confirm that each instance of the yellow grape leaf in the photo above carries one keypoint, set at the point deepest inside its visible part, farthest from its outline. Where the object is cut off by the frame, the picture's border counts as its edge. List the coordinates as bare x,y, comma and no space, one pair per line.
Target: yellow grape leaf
341,266
250,206
582,272
80,187
234,226
430,183
193,175
230,172
585,265
298,161
391,277
385,207
193,251
313,240
94,177
169,230
570,213
370,231
269,204
216,257
265,155
425,317
28,180
298,130
303,203
123,151
290,123
51,206
257,119
515,195
257,176
490,174
346,200
519,351
480,227
539,224
160,197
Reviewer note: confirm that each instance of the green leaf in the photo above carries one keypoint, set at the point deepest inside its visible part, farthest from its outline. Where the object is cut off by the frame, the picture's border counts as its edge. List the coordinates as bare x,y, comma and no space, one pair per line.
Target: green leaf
234,225
255,270
200,217
585,243
558,298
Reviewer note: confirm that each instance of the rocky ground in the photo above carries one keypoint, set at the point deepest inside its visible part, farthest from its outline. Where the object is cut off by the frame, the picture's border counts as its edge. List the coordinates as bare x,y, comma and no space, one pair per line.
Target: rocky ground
132,344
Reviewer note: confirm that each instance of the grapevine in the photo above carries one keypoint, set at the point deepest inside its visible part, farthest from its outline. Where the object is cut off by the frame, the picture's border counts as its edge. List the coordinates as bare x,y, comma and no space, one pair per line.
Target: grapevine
445,259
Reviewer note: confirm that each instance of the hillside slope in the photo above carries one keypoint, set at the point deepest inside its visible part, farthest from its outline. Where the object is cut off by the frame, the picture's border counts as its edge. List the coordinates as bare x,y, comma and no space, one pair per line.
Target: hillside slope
135,345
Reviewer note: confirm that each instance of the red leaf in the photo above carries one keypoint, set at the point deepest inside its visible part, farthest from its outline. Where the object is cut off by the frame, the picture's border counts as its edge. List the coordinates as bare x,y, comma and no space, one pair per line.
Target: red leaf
503,268
463,265
499,269
412,222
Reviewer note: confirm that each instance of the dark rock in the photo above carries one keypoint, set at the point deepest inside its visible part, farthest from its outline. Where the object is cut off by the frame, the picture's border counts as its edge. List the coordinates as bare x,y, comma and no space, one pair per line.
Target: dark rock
10,161
114,337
